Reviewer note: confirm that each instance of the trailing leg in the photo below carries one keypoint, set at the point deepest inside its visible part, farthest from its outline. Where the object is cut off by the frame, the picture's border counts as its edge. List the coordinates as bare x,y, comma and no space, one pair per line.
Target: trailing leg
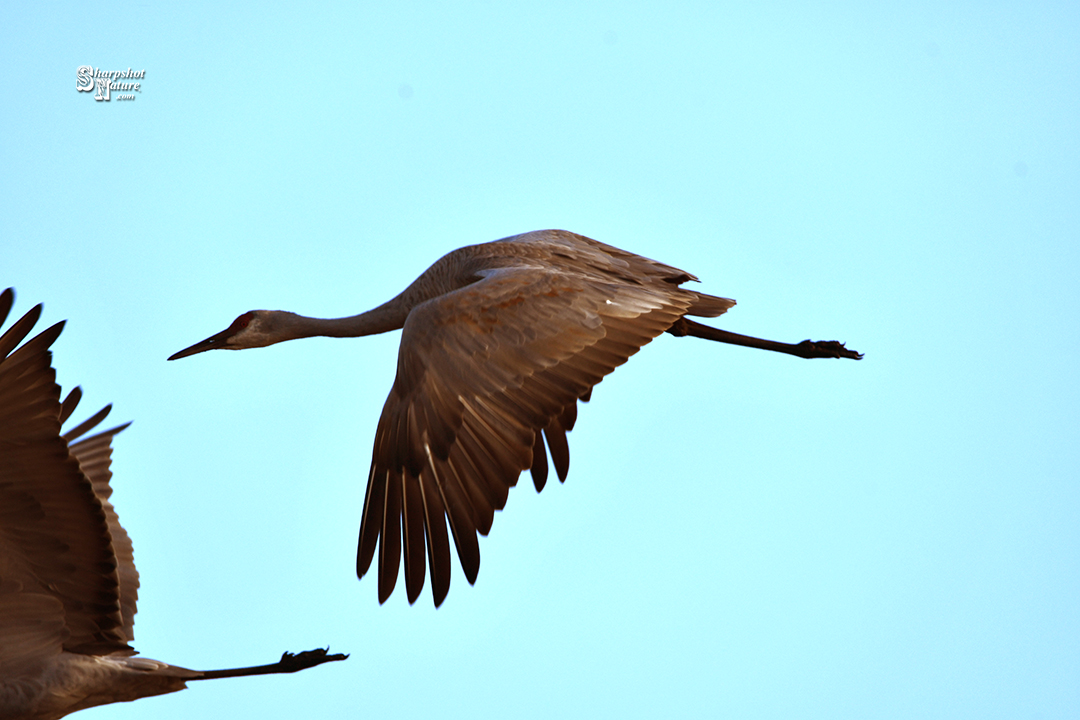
806,349
289,663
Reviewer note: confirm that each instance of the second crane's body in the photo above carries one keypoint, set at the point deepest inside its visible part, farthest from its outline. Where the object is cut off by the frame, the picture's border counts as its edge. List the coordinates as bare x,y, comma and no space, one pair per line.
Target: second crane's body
68,583
499,342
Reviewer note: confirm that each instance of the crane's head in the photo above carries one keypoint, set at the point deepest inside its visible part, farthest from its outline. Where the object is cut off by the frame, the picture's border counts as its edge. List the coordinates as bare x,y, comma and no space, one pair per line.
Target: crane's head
255,328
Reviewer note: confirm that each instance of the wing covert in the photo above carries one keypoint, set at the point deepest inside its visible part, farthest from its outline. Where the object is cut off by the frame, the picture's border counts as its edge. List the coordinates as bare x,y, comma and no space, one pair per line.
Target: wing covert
484,372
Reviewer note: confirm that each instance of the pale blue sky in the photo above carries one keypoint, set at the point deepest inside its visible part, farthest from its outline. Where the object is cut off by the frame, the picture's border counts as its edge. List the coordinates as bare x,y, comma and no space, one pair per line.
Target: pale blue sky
742,535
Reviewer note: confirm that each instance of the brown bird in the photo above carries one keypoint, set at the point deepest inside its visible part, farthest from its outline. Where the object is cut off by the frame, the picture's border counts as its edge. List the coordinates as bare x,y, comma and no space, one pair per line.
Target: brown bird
499,342
68,584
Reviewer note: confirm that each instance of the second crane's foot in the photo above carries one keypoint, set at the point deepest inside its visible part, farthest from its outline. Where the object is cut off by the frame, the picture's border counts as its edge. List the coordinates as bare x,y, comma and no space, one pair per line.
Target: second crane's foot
825,349
291,662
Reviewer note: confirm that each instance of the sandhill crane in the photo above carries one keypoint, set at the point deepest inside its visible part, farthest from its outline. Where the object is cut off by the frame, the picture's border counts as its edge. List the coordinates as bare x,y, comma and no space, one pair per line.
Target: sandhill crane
499,341
68,584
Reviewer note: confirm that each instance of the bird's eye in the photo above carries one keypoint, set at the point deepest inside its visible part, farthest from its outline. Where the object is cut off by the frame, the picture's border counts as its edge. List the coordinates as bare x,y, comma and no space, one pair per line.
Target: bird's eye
241,322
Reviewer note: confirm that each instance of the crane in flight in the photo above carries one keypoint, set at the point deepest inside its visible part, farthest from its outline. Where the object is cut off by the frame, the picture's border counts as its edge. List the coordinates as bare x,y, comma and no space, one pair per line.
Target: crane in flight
68,584
499,342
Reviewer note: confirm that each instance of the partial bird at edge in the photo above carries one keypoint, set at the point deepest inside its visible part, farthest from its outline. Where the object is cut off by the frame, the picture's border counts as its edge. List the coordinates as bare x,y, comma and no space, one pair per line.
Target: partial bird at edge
68,583
499,342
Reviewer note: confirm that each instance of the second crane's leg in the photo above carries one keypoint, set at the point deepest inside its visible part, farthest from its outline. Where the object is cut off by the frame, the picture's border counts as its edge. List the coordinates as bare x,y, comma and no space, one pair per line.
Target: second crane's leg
289,663
805,349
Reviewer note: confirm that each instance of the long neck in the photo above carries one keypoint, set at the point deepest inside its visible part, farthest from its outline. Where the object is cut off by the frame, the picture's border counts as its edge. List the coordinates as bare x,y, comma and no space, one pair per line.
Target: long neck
449,273
388,316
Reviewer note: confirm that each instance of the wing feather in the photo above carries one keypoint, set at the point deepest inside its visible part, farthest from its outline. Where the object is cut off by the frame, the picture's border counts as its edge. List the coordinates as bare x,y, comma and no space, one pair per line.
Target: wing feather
94,455
539,467
412,521
435,514
390,538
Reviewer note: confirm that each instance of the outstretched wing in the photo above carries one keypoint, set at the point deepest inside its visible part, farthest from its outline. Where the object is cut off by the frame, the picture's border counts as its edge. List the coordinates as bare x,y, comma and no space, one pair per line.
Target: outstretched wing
55,548
483,371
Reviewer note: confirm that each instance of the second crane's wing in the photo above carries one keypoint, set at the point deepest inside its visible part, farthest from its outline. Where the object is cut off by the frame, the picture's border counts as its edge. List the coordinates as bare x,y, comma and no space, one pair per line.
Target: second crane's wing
55,547
482,372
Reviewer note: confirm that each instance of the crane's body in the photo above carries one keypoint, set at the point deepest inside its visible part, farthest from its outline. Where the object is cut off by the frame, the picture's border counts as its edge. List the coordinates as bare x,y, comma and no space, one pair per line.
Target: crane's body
499,342
75,681
68,583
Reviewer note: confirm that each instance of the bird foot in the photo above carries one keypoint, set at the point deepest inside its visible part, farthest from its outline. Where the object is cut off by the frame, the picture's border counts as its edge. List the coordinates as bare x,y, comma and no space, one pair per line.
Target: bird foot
825,349
295,662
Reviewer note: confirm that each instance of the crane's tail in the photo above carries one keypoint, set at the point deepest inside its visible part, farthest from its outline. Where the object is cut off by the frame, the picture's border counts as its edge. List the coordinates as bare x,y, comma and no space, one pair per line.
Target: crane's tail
708,305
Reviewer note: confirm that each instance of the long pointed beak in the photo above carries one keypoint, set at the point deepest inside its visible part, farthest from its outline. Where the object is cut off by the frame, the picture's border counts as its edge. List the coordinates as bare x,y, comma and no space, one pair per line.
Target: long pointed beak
214,342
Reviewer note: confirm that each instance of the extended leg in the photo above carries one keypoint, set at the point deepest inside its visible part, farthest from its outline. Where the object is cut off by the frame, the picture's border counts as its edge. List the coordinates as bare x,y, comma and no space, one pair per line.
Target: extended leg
289,663
805,349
